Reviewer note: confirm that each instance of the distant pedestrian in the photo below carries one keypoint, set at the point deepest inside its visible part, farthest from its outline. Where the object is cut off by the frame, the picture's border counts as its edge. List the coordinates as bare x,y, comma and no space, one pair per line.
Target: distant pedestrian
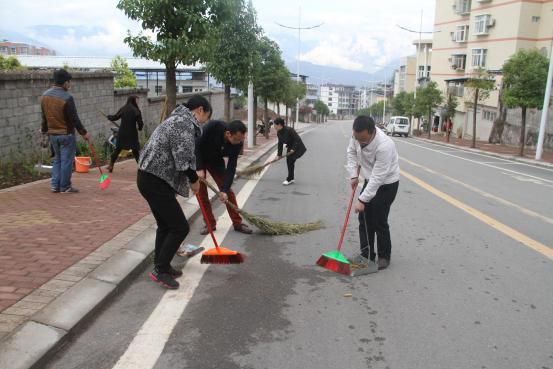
167,168
127,136
220,140
375,152
59,121
294,147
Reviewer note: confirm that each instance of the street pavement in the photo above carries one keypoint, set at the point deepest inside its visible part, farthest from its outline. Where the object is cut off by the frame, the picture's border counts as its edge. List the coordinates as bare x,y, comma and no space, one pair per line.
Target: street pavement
469,285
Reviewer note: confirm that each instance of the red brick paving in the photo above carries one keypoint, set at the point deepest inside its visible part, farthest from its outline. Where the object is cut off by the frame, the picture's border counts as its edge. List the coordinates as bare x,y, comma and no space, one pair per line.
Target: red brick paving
42,233
498,149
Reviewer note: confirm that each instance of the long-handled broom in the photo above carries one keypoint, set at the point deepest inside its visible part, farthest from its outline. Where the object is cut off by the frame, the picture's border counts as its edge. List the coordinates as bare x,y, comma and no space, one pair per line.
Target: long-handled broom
217,255
335,260
256,170
267,226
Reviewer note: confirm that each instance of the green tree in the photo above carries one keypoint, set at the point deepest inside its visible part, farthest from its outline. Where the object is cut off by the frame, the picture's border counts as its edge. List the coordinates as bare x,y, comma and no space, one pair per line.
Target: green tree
524,80
479,88
322,109
10,63
428,99
402,103
124,77
231,54
450,109
180,28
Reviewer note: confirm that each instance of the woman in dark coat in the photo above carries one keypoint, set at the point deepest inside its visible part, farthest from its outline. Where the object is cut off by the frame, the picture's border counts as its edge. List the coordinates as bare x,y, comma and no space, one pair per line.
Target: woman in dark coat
127,138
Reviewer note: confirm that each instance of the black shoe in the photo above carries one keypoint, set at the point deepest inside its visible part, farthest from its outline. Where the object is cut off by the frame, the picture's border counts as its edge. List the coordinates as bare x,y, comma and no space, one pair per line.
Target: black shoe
175,273
164,280
383,263
205,230
242,228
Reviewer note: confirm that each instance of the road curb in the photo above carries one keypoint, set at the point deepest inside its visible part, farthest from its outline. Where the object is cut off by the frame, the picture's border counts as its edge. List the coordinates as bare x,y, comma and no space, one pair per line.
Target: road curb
493,154
33,343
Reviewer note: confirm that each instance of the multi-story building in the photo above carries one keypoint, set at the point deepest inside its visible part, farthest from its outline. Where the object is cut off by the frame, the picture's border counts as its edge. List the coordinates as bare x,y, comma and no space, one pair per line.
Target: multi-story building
406,78
18,48
484,34
312,94
342,100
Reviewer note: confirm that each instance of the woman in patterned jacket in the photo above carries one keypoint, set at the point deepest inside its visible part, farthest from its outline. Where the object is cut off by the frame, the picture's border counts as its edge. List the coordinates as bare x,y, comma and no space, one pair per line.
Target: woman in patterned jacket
167,168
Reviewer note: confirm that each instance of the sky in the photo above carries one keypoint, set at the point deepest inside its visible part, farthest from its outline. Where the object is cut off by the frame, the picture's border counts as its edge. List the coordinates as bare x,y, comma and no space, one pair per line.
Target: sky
359,35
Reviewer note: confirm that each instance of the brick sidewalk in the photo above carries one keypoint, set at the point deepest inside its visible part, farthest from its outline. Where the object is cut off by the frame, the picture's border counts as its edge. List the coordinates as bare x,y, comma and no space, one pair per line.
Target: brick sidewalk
49,242
493,148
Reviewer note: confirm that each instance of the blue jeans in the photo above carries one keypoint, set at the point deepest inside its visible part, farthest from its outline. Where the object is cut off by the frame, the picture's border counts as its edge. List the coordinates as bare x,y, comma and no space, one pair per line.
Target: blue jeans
65,148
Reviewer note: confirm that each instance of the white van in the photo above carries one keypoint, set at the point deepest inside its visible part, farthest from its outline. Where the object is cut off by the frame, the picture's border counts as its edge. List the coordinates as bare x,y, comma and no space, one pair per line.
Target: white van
398,126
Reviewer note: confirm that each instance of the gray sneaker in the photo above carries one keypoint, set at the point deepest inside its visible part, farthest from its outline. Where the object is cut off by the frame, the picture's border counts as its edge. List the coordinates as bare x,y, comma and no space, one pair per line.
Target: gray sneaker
70,190
383,263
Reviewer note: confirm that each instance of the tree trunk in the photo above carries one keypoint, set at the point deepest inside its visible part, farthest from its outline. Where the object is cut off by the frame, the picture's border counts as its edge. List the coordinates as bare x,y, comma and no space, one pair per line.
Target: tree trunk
266,118
171,86
278,109
523,131
475,106
254,118
287,114
227,103
430,122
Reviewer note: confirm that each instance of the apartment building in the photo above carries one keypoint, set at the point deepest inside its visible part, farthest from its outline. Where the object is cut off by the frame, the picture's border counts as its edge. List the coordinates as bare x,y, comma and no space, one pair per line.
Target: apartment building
484,34
342,100
18,48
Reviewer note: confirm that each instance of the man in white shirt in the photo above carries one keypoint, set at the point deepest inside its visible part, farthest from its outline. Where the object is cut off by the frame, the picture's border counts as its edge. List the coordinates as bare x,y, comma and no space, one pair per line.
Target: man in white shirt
373,151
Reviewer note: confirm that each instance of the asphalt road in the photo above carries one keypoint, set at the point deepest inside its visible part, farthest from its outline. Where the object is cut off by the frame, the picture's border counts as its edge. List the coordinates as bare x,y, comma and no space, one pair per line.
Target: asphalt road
469,285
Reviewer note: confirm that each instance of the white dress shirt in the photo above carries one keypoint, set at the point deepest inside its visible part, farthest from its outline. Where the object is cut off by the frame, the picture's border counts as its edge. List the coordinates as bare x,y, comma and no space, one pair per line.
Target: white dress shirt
378,161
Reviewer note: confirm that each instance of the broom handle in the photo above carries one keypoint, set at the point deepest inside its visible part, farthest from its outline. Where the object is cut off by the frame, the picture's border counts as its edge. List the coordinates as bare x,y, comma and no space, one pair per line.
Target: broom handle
347,215
214,189
94,155
206,220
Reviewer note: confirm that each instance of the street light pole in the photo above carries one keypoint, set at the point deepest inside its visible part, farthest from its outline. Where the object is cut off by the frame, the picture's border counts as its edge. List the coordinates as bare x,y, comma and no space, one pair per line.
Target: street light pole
299,28
545,110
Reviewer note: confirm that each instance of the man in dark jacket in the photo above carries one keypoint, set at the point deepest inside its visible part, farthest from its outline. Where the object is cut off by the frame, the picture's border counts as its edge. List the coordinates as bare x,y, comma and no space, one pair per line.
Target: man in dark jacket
294,147
59,121
220,140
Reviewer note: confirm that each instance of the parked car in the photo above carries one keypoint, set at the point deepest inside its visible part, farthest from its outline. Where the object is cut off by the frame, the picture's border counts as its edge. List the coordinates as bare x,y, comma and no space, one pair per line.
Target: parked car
398,126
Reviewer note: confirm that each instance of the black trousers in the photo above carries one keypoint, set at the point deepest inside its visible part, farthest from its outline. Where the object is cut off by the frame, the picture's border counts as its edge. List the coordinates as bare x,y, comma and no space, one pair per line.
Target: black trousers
135,152
374,220
172,226
291,163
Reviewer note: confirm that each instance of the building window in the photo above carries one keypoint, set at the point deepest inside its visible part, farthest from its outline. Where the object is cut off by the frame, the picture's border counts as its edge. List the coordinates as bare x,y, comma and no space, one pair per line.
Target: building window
186,89
481,24
536,19
479,57
458,61
159,89
456,89
489,115
329,104
462,34
461,6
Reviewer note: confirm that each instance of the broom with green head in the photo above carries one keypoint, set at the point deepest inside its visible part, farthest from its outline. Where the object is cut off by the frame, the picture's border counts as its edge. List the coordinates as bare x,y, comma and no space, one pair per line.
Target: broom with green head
268,226
335,260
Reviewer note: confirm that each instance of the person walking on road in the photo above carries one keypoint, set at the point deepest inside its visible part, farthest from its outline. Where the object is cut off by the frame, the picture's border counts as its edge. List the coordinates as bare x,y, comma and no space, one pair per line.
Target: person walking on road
375,152
127,137
167,168
59,122
220,140
294,147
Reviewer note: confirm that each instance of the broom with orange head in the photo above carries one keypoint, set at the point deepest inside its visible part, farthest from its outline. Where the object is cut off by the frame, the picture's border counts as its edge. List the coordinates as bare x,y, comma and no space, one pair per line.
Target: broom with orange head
217,255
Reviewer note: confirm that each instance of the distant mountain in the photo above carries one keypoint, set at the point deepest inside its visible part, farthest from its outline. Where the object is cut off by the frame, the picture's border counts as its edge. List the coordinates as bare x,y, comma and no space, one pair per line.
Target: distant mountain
319,74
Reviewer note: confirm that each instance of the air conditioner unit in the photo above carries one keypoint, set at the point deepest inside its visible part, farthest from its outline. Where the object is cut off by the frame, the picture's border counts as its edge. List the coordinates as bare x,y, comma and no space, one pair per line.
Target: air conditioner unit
453,38
491,22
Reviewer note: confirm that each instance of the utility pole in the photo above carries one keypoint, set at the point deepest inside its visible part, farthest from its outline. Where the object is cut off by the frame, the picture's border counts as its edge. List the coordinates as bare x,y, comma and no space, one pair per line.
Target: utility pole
545,110
385,97
299,28
251,123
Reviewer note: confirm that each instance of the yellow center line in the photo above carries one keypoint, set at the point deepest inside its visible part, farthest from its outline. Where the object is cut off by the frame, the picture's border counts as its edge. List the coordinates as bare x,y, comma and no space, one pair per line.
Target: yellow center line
484,193
508,231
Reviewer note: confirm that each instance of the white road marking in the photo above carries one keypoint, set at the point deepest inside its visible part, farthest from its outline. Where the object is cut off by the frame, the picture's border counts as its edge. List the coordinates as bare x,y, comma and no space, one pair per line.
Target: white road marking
506,161
146,347
479,162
